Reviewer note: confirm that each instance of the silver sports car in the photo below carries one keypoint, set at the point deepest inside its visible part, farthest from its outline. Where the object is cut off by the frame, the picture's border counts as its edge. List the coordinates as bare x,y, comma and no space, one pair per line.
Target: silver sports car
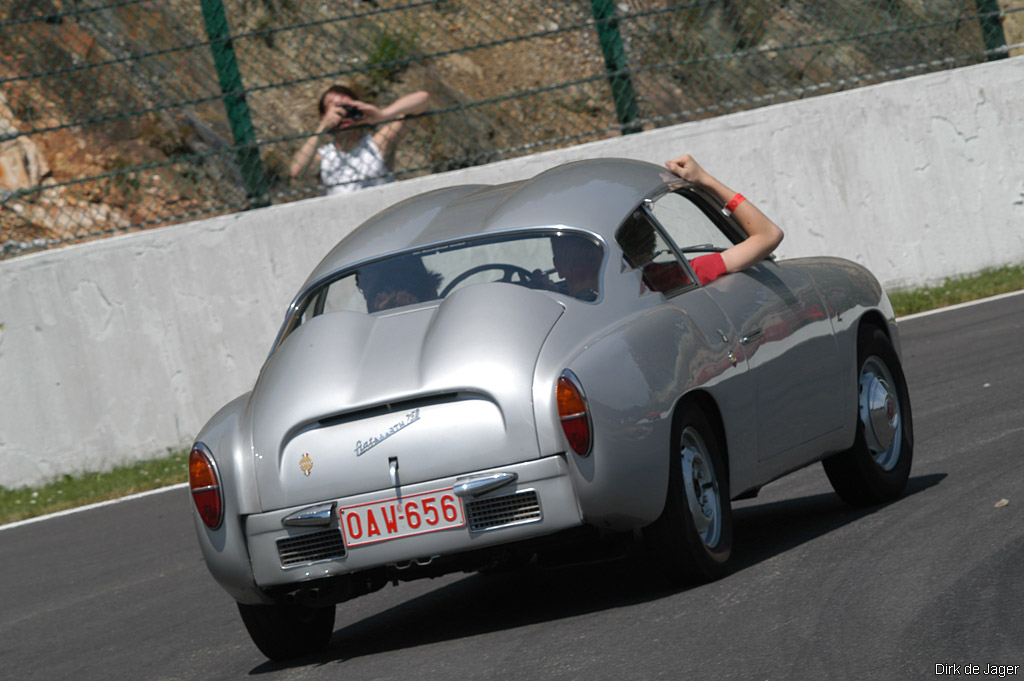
481,376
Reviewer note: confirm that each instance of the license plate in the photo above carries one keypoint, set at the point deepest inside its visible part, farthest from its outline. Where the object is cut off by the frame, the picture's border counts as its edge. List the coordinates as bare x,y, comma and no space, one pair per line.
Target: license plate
407,516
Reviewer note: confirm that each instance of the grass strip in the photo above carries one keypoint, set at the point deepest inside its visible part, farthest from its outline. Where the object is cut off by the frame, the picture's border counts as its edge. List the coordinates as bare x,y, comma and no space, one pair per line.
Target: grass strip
78,490
955,290
71,491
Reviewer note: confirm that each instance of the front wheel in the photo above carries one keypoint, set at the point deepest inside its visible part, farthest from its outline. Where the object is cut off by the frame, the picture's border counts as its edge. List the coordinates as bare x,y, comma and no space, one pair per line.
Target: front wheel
876,469
285,631
692,540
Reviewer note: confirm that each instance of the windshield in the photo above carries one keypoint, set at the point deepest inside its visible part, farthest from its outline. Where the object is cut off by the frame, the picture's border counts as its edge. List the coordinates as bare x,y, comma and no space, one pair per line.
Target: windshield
560,261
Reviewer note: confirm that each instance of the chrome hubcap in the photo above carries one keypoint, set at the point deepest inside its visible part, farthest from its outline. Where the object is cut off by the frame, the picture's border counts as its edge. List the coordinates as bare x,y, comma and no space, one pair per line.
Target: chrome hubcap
880,413
702,495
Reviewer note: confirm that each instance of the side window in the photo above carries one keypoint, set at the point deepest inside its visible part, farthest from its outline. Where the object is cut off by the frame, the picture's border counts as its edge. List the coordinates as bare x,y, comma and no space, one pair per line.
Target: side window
646,250
687,225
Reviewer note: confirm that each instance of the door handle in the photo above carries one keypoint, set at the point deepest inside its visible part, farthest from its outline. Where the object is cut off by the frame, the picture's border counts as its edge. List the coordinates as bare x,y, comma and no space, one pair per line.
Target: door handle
751,337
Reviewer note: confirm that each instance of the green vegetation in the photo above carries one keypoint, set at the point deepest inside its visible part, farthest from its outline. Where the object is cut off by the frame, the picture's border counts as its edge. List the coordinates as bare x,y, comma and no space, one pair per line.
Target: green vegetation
72,491
959,290
389,54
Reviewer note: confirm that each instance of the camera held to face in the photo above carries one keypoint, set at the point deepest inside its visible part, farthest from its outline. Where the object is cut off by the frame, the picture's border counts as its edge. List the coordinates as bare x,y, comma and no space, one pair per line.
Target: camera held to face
352,112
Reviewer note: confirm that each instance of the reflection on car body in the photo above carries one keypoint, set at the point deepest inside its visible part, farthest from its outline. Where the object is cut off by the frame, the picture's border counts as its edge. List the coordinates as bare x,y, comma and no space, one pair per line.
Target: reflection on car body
443,397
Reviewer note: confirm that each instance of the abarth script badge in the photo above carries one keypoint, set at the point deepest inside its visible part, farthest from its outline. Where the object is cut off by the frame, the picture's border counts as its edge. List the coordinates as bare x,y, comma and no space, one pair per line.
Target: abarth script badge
363,446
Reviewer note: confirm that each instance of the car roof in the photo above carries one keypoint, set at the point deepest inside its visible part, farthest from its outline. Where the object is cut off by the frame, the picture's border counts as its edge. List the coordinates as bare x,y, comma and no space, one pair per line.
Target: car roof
595,195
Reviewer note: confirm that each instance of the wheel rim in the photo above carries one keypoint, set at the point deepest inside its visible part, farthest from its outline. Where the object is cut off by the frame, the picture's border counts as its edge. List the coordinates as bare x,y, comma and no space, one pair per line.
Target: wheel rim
880,413
701,485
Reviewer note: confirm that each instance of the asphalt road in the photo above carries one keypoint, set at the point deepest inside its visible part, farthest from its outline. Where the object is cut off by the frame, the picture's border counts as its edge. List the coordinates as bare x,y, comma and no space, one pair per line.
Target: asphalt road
820,591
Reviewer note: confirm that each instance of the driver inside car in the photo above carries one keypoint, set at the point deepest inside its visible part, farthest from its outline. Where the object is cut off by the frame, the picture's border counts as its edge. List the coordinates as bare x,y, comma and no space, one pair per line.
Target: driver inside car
577,261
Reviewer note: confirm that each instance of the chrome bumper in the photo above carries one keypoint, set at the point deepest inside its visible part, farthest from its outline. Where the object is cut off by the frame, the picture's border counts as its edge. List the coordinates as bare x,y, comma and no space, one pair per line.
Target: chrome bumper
538,500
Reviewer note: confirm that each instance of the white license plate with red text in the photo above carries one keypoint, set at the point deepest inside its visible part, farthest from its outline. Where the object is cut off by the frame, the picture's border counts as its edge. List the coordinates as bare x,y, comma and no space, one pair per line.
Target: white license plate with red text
407,516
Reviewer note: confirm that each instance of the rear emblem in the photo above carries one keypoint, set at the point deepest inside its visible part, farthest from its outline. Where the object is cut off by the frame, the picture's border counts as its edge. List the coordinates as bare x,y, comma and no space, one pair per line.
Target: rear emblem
363,446
306,464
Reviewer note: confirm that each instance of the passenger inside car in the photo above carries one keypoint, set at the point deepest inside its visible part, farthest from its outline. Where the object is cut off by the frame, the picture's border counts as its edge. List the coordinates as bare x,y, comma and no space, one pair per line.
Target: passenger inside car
763,235
398,282
646,251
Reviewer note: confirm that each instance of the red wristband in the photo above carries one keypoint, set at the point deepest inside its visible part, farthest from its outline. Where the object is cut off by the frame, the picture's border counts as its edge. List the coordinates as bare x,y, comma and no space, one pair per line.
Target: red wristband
734,203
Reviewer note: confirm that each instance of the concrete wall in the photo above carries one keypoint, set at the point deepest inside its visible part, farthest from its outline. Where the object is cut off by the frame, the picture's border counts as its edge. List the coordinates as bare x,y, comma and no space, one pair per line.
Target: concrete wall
116,350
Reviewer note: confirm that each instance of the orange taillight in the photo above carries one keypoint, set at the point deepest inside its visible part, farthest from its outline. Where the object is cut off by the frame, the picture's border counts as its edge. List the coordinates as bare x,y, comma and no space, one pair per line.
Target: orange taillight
205,485
572,413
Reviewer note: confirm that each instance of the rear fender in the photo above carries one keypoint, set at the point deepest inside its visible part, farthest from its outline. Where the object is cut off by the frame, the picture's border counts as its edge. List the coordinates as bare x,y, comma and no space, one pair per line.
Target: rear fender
853,296
225,549
632,375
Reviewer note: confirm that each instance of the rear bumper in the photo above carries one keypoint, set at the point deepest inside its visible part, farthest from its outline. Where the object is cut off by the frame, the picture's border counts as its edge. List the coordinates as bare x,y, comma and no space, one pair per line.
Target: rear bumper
541,501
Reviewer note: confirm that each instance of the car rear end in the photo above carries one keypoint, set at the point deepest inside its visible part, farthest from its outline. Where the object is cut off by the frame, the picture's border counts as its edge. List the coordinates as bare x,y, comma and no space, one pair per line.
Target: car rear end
392,445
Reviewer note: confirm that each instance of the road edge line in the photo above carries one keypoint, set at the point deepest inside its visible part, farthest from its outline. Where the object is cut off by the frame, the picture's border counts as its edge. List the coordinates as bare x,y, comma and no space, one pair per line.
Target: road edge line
89,507
969,303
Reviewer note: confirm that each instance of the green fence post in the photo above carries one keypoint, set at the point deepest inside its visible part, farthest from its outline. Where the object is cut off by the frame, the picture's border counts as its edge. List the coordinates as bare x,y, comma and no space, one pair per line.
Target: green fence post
615,64
247,154
992,28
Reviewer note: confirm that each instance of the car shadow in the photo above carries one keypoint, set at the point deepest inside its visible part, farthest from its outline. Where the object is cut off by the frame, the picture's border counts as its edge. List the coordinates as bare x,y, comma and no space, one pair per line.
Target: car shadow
762,531
480,604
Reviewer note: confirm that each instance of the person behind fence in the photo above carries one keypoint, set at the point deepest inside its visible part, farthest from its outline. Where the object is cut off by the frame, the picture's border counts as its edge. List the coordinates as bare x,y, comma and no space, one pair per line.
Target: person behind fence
763,235
363,138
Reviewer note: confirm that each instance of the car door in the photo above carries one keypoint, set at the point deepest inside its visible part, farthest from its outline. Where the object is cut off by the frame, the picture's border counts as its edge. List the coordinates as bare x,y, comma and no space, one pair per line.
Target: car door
706,351
782,329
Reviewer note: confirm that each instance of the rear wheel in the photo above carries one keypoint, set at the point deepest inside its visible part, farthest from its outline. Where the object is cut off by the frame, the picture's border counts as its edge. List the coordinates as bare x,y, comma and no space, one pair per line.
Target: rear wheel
692,540
285,631
876,468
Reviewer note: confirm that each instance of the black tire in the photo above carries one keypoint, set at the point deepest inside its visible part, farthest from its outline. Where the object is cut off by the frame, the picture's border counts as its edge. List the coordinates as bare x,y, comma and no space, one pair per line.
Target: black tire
692,540
876,469
283,632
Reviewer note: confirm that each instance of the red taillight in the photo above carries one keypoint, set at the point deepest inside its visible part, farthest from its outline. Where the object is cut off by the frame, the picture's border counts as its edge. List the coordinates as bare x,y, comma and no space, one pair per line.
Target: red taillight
205,485
572,412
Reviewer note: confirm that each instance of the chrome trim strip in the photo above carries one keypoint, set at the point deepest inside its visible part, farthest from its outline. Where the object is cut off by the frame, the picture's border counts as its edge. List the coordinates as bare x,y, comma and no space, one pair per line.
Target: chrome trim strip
475,487
321,515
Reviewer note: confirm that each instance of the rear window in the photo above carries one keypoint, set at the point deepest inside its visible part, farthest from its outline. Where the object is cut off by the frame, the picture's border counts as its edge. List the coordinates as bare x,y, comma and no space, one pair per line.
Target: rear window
563,262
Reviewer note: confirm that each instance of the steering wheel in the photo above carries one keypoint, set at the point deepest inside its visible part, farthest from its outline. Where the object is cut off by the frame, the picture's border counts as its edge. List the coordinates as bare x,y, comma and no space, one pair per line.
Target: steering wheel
509,272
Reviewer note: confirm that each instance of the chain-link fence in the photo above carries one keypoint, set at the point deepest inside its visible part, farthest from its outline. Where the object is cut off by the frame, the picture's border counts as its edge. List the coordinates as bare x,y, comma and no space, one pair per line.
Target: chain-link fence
132,114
